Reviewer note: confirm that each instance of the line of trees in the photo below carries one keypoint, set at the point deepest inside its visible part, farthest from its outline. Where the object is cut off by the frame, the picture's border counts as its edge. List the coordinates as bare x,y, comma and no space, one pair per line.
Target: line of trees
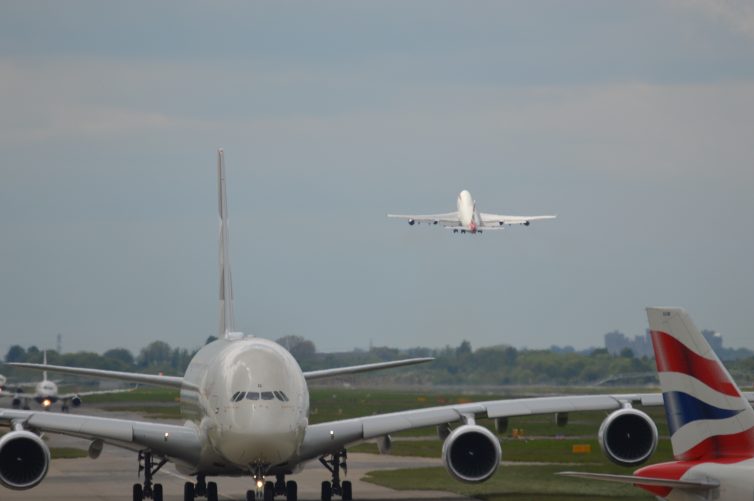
496,365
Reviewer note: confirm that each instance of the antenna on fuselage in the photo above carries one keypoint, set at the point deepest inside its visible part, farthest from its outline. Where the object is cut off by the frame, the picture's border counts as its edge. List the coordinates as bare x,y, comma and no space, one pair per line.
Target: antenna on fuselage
227,322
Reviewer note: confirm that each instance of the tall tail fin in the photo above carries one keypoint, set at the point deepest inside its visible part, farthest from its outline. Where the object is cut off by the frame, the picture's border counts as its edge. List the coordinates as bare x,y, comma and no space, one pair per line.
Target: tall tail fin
707,415
227,322
44,362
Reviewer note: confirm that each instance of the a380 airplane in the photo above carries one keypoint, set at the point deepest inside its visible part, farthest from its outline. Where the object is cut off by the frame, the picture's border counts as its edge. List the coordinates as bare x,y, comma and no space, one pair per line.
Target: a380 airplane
246,404
466,219
711,422
46,394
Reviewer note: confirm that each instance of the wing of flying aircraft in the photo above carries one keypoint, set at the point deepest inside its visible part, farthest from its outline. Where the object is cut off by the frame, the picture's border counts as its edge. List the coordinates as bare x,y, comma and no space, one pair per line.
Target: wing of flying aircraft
447,218
497,220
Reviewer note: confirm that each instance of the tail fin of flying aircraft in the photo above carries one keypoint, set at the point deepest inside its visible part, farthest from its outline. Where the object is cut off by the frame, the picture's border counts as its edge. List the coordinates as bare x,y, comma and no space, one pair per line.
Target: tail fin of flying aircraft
44,362
227,322
707,415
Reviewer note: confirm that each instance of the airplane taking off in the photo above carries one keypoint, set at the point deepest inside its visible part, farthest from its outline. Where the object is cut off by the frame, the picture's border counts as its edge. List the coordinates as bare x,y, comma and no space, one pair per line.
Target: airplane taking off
46,394
246,404
466,219
711,423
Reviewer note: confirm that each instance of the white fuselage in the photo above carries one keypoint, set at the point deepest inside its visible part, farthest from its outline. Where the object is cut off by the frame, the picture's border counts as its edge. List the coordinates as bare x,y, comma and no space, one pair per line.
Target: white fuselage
46,393
467,214
735,482
251,407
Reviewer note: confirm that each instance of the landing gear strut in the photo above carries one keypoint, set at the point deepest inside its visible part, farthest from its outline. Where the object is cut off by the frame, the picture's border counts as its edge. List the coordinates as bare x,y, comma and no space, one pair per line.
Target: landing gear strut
148,490
336,487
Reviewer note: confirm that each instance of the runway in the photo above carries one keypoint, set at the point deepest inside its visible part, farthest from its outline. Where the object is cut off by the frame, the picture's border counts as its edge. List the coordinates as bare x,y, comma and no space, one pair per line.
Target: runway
111,476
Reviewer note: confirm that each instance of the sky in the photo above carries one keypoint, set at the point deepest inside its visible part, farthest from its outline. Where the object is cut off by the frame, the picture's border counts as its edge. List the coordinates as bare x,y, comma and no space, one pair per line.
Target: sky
632,121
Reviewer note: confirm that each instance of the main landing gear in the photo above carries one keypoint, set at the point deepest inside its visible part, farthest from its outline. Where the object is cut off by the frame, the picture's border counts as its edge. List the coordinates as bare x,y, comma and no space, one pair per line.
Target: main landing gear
336,487
148,490
200,489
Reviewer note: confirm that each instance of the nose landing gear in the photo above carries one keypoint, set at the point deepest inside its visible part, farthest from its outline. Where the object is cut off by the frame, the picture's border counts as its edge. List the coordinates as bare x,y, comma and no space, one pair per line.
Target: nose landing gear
336,487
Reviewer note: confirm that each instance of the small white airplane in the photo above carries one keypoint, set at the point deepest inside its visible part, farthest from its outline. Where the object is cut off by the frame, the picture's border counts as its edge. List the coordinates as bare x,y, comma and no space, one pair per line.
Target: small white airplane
245,401
46,394
466,219
711,422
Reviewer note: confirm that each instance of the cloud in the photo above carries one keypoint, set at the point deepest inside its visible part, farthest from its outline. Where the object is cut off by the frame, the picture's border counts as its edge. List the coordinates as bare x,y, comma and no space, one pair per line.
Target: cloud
738,14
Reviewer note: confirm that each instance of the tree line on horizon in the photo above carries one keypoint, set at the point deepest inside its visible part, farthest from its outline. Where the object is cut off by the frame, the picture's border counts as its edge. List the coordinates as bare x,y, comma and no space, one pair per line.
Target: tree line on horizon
495,365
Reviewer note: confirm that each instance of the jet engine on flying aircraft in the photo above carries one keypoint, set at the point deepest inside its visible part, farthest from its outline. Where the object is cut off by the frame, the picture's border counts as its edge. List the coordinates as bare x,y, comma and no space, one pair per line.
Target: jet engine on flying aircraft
628,437
471,453
24,460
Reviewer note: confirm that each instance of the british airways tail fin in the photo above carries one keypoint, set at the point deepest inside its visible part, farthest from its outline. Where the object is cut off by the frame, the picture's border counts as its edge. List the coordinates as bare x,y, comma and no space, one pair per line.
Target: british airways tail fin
227,322
707,415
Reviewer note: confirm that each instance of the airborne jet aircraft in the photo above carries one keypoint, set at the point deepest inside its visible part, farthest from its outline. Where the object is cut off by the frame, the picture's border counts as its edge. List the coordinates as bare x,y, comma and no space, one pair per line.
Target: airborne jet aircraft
247,403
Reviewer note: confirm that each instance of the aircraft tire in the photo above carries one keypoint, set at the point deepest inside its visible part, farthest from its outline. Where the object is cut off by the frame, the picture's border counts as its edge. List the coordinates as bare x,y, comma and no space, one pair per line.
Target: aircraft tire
347,494
291,491
138,493
269,491
211,491
188,491
326,491
157,492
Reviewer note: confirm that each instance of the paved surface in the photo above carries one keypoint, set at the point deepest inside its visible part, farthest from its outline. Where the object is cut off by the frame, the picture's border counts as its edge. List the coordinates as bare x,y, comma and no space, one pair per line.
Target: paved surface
111,476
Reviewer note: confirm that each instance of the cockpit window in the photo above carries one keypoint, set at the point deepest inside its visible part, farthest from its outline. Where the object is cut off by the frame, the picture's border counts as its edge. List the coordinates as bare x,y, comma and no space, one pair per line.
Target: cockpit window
267,395
281,396
252,395
255,395
237,396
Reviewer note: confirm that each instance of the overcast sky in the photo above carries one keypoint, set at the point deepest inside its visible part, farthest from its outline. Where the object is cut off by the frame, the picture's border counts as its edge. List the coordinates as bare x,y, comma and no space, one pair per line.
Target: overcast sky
633,121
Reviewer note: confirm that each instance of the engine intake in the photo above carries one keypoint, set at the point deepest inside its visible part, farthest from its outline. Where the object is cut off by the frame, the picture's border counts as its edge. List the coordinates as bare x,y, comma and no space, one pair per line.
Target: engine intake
76,401
24,460
471,453
628,437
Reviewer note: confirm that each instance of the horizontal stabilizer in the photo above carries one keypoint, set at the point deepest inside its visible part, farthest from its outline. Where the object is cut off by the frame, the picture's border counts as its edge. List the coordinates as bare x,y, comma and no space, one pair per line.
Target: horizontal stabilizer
354,369
131,377
653,481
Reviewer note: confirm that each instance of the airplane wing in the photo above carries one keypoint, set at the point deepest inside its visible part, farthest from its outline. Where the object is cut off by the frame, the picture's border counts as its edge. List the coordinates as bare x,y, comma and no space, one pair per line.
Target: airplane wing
448,218
324,438
132,377
178,382
492,220
355,369
179,443
701,484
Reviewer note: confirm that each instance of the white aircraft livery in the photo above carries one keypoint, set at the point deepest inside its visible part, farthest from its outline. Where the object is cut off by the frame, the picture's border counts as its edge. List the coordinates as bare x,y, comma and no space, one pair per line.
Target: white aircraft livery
711,423
46,394
466,219
246,404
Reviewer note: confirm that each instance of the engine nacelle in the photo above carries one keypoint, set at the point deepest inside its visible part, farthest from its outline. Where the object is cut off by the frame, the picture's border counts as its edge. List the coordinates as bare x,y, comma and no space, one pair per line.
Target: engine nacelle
76,401
628,437
471,453
527,223
24,460
411,222
16,403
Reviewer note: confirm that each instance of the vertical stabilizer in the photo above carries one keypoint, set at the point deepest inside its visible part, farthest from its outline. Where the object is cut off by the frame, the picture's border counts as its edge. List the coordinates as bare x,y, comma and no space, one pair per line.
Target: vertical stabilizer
227,322
44,362
707,415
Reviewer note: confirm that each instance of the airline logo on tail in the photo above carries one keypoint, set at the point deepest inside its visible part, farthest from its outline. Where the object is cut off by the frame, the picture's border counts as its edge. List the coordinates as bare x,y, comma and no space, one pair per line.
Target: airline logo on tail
707,415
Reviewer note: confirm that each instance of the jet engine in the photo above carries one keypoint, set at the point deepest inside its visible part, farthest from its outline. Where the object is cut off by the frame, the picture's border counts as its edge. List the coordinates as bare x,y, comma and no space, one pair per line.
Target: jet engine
76,401
628,437
411,222
16,403
24,460
471,453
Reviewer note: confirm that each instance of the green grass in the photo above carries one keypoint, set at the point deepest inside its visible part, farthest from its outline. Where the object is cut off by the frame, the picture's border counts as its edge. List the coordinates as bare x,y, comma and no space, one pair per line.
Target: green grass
142,394
524,482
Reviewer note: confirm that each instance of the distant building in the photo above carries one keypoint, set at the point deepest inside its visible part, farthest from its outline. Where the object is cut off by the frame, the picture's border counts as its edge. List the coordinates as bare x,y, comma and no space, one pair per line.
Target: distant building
641,346
616,342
